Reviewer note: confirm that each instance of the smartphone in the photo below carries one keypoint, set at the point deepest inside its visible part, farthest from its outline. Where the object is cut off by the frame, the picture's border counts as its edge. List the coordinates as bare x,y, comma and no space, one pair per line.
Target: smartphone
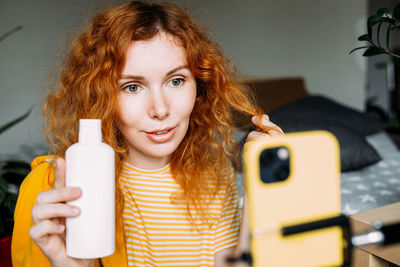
291,180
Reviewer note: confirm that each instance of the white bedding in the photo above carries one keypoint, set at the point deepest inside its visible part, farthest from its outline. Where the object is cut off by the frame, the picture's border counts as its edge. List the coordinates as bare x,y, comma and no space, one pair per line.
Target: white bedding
376,185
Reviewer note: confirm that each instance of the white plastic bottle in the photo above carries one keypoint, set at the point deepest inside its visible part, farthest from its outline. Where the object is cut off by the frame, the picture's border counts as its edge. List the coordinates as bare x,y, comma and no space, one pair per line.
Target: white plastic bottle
90,165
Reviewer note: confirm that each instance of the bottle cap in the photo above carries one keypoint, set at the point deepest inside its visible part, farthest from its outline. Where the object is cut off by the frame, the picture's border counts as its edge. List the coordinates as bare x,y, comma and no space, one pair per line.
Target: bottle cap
89,130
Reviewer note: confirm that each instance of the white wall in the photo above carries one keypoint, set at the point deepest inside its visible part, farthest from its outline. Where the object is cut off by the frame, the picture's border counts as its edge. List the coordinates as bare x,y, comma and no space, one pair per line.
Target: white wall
264,38
282,38
27,56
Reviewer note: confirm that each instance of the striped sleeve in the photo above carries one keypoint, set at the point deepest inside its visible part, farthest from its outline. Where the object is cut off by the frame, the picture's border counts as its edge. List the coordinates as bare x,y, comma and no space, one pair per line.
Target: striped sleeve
227,230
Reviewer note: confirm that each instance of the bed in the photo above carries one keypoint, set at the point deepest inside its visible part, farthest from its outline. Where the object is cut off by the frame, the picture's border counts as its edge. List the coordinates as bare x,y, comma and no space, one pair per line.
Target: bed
370,161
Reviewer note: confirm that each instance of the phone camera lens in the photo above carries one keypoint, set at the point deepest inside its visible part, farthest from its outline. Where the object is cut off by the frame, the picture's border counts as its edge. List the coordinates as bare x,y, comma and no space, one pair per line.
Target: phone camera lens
274,164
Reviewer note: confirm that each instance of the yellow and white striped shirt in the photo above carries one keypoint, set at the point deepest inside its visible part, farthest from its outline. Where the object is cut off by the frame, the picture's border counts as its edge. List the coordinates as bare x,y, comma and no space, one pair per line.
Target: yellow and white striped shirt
158,232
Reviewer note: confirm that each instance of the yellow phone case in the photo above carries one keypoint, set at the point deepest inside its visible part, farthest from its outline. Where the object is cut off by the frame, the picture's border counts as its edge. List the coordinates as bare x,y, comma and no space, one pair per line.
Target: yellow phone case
311,192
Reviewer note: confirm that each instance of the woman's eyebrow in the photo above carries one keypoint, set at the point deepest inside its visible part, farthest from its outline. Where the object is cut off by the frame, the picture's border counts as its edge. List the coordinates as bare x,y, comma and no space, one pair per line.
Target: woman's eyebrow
176,69
131,77
138,77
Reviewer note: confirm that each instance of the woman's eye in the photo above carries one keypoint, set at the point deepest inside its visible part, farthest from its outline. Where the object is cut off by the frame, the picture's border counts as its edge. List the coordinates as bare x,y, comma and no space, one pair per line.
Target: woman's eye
131,88
177,82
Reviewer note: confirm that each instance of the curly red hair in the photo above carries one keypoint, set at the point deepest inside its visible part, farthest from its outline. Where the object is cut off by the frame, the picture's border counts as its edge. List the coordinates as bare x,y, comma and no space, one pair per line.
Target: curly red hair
89,88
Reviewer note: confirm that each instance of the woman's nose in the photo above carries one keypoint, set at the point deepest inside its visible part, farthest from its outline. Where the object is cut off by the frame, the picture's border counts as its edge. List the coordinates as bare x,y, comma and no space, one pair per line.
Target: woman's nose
160,107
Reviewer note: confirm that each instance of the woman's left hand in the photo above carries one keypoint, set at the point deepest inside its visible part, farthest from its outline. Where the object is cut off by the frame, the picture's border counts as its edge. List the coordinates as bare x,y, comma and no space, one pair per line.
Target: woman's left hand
243,245
273,129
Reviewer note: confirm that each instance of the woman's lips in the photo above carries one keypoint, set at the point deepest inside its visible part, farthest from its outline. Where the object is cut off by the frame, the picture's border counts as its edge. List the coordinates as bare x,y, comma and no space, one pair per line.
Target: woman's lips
161,136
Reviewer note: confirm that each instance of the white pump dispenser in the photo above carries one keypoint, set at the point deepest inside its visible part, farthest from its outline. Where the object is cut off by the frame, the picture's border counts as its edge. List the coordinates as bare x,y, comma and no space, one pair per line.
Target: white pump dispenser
90,165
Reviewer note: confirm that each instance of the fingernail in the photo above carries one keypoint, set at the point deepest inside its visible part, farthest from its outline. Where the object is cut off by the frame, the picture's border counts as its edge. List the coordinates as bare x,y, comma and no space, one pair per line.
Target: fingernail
74,210
75,191
60,228
265,121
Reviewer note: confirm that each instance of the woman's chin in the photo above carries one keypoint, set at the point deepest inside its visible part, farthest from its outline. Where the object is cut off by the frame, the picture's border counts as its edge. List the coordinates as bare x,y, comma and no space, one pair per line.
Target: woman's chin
153,152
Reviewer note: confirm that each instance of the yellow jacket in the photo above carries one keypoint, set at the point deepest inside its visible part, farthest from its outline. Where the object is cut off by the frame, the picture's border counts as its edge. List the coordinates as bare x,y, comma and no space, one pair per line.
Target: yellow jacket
23,250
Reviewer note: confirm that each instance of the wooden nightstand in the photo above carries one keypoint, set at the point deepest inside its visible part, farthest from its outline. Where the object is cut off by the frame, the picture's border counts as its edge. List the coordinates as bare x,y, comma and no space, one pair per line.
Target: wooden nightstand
374,255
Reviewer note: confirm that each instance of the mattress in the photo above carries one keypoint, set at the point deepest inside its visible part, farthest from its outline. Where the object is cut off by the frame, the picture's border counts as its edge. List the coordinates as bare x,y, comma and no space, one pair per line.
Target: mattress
376,185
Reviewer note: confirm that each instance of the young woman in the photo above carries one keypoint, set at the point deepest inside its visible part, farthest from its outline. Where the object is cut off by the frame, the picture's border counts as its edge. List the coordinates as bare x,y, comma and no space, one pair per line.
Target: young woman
165,94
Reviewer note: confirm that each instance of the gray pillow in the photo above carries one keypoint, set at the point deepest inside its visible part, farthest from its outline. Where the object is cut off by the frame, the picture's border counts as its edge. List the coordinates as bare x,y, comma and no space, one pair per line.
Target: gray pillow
362,123
355,152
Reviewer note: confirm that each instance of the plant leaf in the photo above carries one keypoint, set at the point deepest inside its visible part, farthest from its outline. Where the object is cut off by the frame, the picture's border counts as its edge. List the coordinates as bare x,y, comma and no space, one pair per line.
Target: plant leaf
391,21
14,172
364,37
396,61
3,189
15,121
373,51
15,166
378,34
4,36
385,16
369,28
374,19
384,13
388,38
358,48
10,202
396,12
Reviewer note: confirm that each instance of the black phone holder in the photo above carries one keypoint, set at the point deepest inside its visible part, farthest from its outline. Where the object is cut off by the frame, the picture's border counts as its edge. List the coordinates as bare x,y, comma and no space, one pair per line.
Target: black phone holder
341,221
379,234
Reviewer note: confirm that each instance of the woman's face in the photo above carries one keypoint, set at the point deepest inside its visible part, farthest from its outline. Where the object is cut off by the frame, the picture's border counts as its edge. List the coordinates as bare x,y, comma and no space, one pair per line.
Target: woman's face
157,96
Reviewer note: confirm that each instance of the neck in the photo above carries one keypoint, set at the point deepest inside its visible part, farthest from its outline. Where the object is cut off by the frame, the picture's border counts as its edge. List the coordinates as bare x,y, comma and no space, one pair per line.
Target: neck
147,162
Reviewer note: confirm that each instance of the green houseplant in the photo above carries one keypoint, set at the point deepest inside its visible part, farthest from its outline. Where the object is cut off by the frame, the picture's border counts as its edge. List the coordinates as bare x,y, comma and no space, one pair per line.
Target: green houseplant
385,20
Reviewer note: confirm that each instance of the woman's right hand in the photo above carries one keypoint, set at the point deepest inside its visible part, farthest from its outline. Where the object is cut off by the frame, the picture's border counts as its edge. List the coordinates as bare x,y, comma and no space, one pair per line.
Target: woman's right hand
49,215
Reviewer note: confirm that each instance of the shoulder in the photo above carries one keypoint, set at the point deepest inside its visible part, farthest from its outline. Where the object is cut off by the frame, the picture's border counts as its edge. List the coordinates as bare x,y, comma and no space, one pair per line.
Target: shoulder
40,178
227,185
42,173
227,175
42,160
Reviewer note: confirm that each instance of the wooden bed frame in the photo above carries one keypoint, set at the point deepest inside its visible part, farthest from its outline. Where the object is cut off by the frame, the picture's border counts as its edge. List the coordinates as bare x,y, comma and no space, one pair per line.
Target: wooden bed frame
272,93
